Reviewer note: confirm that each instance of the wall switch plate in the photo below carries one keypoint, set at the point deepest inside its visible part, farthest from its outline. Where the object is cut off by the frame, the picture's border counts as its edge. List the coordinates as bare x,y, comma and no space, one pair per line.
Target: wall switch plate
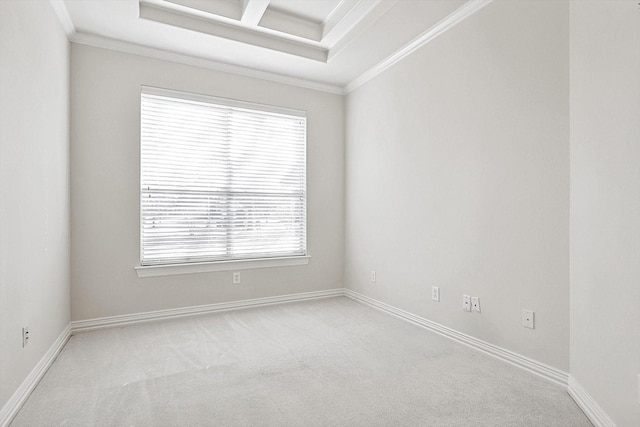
435,293
466,302
373,276
236,278
475,304
25,335
527,318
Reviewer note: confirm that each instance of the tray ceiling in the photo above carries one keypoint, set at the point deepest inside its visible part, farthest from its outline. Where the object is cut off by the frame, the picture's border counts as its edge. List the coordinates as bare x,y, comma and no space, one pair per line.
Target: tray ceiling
329,44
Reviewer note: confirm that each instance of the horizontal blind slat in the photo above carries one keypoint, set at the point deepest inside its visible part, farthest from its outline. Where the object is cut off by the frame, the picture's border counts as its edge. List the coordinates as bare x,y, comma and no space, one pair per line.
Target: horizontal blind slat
220,182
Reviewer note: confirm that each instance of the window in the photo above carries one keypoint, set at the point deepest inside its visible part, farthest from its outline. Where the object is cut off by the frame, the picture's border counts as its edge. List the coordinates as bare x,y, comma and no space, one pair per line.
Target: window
220,180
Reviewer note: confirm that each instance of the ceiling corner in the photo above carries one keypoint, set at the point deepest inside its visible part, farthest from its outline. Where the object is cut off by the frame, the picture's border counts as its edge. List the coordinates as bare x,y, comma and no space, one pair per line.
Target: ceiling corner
61,11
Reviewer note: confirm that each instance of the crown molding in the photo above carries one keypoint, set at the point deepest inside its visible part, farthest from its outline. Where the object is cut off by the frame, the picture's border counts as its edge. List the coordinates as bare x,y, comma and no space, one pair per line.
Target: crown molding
149,52
337,15
460,14
354,23
63,16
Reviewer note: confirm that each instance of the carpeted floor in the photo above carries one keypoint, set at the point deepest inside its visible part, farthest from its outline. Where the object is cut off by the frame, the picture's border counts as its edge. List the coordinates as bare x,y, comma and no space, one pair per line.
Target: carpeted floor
330,362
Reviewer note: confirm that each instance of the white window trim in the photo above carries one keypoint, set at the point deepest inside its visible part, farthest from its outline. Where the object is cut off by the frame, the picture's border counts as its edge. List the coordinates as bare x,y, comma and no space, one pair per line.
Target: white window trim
206,267
214,266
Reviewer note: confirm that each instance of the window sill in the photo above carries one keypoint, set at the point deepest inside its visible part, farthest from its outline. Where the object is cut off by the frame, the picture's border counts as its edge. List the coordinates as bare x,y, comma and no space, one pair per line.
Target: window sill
205,267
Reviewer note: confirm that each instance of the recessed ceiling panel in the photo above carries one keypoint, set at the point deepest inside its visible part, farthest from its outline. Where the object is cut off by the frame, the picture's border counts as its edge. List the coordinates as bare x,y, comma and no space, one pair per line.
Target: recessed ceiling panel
201,24
227,8
313,10
307,28
288,23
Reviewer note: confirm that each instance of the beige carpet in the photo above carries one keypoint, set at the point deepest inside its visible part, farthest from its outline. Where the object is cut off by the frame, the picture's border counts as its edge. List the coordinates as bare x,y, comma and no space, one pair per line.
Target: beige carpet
330,362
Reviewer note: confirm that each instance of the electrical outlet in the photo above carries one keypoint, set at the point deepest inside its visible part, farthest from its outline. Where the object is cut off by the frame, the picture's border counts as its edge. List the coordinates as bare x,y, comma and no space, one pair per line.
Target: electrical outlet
466,302
435,293
475,304
527,318
373,276
25,335
236,278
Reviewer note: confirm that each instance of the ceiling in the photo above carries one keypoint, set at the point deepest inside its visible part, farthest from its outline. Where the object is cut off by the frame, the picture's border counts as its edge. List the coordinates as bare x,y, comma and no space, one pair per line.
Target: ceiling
331,45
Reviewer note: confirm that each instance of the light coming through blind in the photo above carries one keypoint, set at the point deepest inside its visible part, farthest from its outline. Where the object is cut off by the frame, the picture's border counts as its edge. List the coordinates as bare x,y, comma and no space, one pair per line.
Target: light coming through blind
220,180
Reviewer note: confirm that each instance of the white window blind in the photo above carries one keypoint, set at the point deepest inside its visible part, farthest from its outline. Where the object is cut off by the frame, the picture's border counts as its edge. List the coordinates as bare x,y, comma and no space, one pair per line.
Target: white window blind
220,180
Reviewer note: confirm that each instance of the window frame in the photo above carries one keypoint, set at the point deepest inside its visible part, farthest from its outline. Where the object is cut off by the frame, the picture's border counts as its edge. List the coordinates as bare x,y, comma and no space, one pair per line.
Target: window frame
225,264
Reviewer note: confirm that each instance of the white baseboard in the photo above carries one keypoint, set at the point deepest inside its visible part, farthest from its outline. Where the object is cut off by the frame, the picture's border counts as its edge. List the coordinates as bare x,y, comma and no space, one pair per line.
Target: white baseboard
545,371
13,405
584,400
550,373
130,319
588,404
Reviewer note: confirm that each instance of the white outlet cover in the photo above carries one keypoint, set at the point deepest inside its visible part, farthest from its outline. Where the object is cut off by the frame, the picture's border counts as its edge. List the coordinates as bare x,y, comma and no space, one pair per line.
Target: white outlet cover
236,278
466,302
373,276
528,320
475,304
435,293
25,335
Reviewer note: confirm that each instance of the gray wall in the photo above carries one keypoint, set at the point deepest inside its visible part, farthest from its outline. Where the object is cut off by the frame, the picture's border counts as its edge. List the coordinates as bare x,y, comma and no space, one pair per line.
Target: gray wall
457,176
34,186
605,204
105,144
